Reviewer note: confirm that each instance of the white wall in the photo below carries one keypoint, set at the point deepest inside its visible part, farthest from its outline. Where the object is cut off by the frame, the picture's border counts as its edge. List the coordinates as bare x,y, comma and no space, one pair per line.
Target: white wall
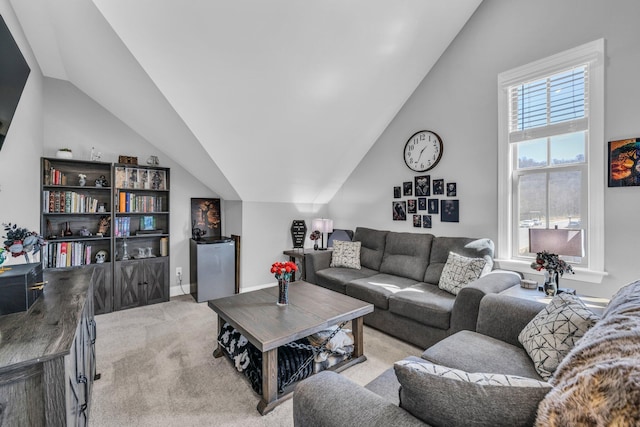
458,100
20,155
266,233
73,120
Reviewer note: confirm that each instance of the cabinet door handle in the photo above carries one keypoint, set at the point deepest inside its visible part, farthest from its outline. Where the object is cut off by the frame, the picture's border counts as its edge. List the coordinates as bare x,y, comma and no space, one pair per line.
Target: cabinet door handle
94,331
38,286
82,379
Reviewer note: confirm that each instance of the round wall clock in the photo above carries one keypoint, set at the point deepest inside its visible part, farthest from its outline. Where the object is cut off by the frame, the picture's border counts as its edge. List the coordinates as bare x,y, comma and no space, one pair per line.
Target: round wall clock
423,151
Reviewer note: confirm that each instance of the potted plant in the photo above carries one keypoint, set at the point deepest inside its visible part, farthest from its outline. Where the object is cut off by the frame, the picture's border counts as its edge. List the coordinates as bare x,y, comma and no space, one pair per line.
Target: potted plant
64,153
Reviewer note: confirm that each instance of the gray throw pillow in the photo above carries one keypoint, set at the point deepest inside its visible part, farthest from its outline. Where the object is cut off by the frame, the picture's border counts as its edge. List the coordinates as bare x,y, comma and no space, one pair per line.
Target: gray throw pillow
459,271
346,254
443,396
554,331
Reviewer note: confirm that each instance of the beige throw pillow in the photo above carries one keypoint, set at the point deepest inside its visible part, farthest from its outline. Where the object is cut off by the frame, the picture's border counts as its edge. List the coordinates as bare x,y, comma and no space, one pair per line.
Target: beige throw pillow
346,254
460,271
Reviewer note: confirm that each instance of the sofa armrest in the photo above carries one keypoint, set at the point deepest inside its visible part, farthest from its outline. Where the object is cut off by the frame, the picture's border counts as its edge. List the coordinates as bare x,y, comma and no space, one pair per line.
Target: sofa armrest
465,309
328,399
315,261
504,317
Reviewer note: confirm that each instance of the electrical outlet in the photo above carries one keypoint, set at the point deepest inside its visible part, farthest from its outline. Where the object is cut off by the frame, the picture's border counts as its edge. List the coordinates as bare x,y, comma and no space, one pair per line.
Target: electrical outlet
178,271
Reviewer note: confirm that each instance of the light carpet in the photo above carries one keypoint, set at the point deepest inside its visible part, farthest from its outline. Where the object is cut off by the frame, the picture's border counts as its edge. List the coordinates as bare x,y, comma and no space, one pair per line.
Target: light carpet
157,370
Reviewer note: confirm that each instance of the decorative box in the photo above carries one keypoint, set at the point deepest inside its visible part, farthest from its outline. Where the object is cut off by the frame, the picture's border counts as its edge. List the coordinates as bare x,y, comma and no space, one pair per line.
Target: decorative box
20,286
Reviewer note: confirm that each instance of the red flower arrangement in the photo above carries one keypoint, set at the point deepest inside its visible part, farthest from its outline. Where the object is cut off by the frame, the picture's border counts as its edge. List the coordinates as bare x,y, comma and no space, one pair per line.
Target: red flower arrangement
284,270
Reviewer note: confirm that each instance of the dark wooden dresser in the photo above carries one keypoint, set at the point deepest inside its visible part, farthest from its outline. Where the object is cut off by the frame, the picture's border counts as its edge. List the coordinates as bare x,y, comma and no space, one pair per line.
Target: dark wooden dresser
47,357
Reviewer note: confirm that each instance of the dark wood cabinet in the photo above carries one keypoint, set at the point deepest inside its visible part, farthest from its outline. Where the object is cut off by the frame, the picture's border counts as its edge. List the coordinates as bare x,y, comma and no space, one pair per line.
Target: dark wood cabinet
47,357
78,198
141,282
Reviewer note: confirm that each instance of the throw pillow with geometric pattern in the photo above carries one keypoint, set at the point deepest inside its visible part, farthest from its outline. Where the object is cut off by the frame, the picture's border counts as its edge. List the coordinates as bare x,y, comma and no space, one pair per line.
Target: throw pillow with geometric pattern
460,271
346,254
553,332
443,396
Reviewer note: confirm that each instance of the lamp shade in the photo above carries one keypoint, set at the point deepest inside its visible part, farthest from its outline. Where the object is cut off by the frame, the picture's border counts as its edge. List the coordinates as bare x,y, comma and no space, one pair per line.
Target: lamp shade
557,241
323,225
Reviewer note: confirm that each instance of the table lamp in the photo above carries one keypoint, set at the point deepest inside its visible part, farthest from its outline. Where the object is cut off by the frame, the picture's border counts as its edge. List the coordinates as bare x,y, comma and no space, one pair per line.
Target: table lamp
559,241
323,225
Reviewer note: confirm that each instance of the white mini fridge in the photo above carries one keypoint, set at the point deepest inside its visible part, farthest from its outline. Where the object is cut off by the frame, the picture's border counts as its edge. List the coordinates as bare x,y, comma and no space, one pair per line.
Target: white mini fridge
212,268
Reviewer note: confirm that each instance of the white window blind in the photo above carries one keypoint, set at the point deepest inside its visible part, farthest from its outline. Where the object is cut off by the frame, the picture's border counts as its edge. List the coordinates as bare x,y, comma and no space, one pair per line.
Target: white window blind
553,105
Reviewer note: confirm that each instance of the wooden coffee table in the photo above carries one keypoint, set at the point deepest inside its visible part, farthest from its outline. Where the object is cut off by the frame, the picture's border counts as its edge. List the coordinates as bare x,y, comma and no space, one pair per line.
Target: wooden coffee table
268,326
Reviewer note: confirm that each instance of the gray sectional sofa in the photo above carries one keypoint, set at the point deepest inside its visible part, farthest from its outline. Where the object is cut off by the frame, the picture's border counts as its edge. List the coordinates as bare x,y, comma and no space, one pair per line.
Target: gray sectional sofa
596,383
399,275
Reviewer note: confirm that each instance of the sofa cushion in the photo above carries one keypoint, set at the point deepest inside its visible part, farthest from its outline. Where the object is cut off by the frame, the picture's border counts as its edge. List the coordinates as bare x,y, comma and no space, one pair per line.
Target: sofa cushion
474,352
469,247
443,396
346,254
602,372
372,249
376,289
550,335
406,254
337,278
459,271
424,303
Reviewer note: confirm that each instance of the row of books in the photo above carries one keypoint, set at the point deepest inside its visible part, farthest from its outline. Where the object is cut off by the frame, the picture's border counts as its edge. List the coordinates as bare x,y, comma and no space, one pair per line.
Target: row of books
66,254
123,226
131,202
69,202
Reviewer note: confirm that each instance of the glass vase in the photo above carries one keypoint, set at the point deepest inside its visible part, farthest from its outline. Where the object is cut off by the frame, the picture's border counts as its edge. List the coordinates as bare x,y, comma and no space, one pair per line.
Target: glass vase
283,291
551,283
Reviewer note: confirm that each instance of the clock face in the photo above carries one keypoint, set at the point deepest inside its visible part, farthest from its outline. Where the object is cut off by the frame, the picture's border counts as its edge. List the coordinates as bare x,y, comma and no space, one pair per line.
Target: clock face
423,151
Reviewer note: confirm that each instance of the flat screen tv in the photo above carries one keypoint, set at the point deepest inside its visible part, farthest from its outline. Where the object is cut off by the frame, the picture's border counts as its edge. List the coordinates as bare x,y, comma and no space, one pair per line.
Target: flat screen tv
14,72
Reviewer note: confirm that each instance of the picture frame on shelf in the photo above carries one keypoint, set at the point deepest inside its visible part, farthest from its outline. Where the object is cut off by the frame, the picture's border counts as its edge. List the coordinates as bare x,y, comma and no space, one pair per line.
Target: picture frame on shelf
158,180
120,177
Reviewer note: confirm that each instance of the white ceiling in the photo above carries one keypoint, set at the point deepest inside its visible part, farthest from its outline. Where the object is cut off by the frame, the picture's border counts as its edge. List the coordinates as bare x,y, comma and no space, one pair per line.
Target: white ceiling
260,100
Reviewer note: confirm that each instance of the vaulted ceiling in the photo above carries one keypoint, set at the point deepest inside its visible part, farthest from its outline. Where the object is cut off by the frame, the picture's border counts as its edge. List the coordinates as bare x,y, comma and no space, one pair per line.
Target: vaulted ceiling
260,100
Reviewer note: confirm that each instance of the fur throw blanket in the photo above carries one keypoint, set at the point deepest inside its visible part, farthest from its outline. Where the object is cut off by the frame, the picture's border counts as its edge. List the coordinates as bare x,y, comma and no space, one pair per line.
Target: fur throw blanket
598,383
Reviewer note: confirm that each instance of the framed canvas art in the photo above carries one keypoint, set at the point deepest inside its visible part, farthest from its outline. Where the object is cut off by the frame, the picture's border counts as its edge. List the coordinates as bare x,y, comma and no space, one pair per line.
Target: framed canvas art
205,215
624,162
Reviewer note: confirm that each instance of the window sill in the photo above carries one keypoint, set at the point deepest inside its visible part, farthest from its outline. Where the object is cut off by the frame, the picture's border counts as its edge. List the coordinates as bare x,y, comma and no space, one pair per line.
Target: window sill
581,274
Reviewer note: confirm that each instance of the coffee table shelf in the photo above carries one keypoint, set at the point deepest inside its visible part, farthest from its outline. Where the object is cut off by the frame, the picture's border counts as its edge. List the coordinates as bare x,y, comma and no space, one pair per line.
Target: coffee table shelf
268,326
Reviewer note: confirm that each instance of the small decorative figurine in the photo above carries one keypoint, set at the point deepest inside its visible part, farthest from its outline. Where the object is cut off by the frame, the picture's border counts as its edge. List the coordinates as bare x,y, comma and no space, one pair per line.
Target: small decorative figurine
102,182
101,257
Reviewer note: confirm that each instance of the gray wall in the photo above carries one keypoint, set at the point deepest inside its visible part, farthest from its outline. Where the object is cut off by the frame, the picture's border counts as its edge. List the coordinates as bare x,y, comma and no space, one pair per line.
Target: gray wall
458,100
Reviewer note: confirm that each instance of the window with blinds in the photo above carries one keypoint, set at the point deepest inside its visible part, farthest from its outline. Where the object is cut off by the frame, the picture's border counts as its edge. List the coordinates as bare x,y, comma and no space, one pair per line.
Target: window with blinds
552,105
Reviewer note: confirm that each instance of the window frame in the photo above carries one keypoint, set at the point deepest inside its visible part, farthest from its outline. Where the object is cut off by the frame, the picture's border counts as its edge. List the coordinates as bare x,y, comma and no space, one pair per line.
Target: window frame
593,55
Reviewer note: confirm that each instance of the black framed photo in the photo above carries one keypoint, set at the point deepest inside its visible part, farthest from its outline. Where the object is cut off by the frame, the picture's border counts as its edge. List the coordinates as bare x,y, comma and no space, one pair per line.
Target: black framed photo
399,210
412,206
422,203
438,187
423,185
397,192
449,210
426,221
451,189
407,188
433,206
417,221
205,215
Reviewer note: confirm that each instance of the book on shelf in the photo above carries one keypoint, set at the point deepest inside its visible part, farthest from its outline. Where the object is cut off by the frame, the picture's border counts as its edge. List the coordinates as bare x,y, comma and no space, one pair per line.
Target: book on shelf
67,254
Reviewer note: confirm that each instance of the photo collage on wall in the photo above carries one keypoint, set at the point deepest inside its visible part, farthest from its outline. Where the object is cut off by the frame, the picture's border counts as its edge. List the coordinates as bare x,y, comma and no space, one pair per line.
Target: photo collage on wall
426,199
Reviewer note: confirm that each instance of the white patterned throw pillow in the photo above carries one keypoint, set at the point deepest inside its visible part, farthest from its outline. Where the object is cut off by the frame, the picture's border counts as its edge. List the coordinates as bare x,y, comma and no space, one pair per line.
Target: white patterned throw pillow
460,271
346,254
554,331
